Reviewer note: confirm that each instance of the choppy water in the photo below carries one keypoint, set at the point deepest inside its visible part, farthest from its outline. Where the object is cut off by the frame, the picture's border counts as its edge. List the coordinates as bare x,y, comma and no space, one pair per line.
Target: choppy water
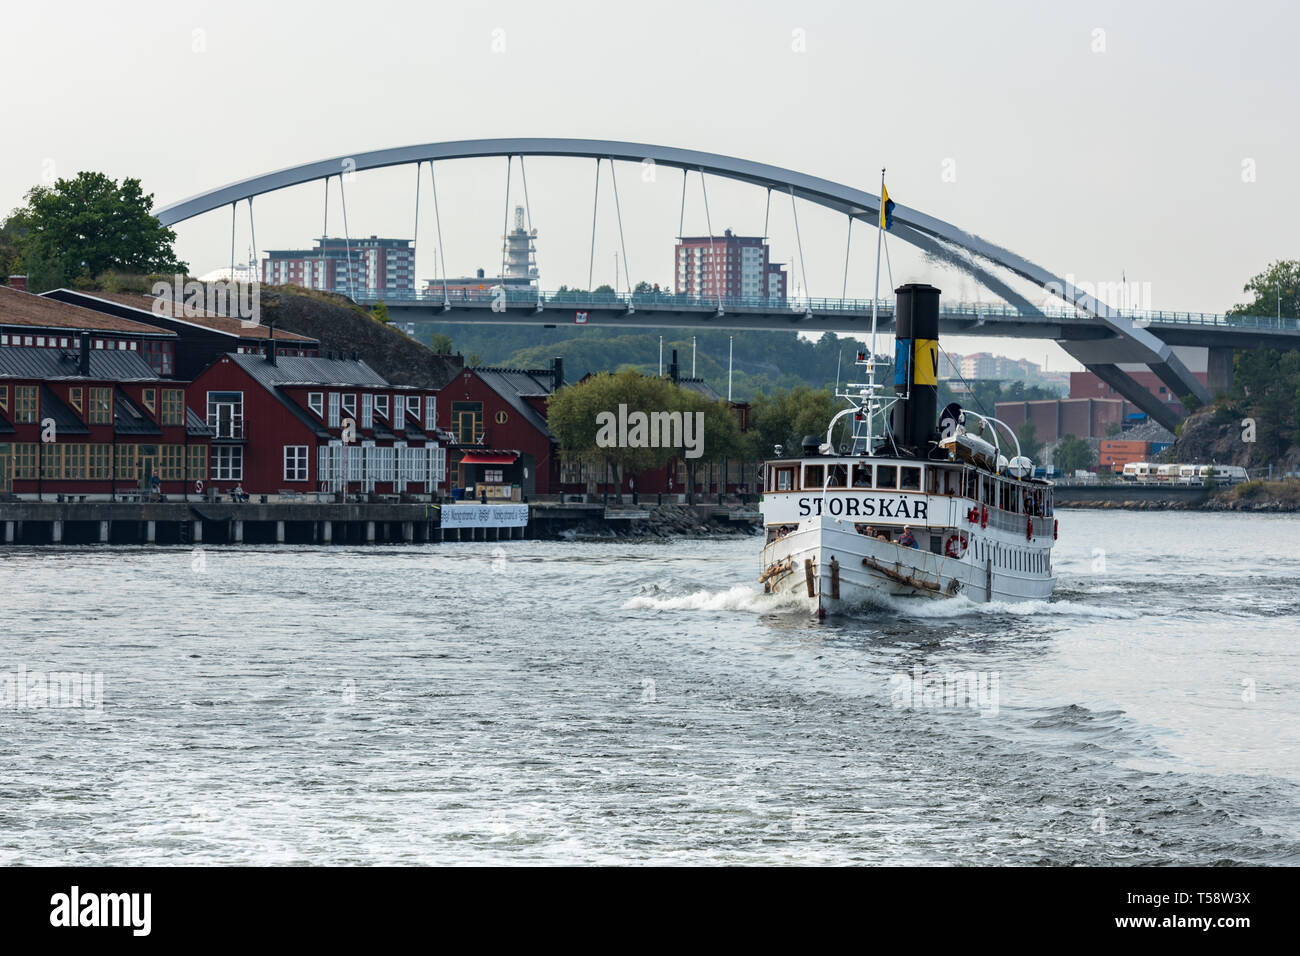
567,702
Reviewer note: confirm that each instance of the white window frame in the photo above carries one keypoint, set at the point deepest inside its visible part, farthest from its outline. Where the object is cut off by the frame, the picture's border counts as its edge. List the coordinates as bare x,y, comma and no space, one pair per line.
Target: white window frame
399,406
295,463
334,410
350,404
430,413
367,410
316,402
228,463
381,405
413,407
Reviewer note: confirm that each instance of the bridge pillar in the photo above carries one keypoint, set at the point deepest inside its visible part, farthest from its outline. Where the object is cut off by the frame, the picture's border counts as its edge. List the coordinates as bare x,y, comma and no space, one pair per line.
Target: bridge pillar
103,532
150,532
1120,381
1219,370
9,532
196,537
327,531
370,532
56,531
237,531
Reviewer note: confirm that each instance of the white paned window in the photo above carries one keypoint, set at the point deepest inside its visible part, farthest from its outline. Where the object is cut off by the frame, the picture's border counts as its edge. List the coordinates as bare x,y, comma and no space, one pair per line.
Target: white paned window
398,406
316,402
367,410
413,408
334,410
430,413
295,463
381,405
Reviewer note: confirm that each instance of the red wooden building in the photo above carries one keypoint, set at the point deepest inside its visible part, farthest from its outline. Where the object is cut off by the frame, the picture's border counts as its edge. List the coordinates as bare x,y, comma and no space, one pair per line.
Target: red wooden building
99,423
281,424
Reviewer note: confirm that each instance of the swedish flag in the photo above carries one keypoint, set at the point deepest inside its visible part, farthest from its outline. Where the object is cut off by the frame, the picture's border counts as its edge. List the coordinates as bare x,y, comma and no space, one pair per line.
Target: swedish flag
886,209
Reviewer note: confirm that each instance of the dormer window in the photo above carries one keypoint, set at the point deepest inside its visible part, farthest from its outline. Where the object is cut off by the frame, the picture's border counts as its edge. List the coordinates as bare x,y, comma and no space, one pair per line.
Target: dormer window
316,402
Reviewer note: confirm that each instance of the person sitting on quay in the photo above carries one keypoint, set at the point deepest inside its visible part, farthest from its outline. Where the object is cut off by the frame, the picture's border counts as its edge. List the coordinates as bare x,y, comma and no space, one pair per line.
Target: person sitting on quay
238,493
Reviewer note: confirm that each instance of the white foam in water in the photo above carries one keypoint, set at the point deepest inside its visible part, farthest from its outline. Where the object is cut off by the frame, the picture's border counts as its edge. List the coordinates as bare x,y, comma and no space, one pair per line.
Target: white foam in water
738,598
963,607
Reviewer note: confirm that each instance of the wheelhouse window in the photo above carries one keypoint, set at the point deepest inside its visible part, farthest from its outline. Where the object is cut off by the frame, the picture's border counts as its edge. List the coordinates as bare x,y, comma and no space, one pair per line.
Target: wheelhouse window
909,478
886,476
813,476
837,476
785,479
861,475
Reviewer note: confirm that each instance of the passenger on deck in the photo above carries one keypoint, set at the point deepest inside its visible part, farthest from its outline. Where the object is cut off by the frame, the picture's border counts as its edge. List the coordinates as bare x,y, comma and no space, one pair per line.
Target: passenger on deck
905,539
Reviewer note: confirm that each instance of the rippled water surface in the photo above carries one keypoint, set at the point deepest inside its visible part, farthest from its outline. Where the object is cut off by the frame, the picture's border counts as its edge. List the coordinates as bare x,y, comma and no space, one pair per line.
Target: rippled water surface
645,702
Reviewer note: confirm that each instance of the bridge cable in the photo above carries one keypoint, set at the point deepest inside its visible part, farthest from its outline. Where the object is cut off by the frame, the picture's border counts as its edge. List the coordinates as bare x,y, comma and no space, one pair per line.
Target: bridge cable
505,227
622,242
233,206
528,211
847,244
591,266
799,241
347,239
415,243
252,231
325,231
433,181
767,212
717,286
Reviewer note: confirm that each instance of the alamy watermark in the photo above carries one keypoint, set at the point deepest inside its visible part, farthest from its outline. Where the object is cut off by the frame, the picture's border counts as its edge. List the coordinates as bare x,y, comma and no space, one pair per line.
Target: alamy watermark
31,690
1122,296
236,300
683,430
977,690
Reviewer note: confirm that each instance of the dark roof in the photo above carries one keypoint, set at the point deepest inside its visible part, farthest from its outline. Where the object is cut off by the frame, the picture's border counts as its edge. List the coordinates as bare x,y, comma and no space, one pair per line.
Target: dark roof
128,419
302,370
700,386
39,312
195,425
66,421
106,365
166,308
516,385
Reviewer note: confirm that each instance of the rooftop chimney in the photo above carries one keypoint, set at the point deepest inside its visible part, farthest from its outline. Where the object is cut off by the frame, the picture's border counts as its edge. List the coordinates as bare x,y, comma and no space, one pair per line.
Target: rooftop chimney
18,283
83,365
673,371
270,344
557,367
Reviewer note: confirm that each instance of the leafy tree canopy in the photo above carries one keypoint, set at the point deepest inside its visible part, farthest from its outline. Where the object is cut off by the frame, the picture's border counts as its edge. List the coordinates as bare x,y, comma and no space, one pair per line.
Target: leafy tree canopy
85,226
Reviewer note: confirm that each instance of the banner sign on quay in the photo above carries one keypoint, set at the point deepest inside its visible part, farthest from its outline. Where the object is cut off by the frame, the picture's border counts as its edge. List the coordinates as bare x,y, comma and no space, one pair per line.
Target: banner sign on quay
484,516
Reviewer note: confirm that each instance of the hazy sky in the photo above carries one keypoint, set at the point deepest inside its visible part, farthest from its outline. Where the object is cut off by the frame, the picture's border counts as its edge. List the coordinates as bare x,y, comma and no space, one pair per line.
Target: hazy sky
1158,140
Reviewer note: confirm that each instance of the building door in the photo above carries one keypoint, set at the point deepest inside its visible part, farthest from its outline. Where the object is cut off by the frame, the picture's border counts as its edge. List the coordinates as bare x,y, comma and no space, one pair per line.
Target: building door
148,466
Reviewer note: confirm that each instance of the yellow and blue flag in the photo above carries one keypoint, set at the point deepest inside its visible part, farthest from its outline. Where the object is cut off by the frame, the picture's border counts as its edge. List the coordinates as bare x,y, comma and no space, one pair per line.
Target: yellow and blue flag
886,209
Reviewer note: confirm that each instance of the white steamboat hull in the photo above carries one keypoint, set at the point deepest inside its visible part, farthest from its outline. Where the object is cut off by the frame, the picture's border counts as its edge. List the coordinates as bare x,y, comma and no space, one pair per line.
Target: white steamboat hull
831,567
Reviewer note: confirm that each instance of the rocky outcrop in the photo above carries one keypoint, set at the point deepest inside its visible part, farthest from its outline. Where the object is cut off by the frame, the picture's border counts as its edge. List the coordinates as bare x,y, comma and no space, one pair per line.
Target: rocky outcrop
344,328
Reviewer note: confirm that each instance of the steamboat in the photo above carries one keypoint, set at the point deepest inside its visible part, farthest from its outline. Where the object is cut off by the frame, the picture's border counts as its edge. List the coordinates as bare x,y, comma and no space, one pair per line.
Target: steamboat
925,509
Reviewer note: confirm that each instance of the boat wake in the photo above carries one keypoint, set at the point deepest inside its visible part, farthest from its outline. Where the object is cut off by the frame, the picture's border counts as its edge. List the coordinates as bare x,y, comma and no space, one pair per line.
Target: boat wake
738,598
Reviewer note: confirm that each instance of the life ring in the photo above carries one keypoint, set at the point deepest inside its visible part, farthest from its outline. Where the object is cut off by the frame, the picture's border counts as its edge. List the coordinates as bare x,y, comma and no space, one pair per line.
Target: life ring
955,545
1029,529
198,487
984,516
973,515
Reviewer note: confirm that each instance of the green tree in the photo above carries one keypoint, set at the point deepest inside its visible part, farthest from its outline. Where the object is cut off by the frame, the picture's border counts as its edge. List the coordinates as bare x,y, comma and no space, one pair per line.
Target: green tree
440,344
380,313
785,416
1030,446
1280,282
84,226
1074,454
